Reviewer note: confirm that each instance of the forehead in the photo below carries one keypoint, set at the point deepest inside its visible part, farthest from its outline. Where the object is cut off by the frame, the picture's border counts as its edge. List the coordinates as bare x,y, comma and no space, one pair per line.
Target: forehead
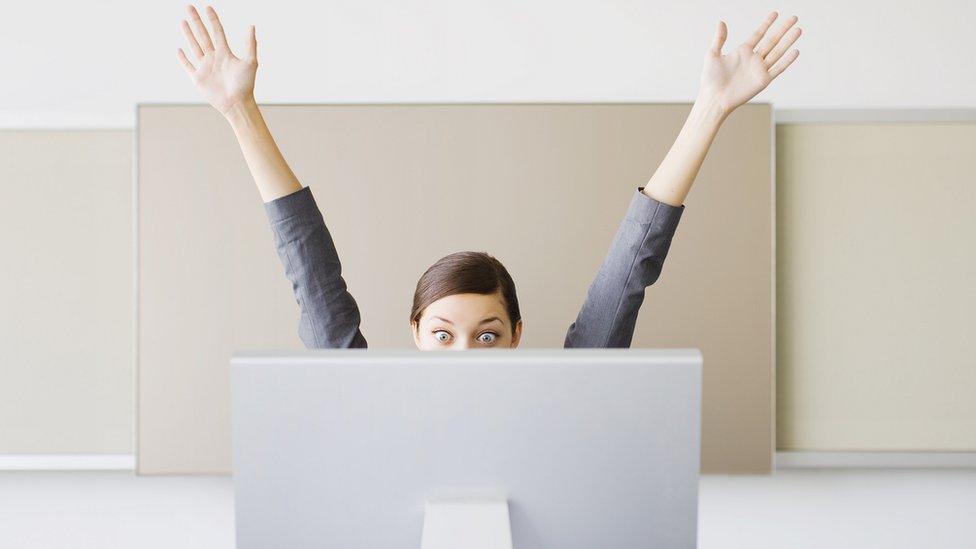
467,308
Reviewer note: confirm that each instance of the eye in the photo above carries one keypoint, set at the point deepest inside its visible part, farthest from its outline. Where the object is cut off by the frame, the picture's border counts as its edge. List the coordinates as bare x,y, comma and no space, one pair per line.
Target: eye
490,339
442,335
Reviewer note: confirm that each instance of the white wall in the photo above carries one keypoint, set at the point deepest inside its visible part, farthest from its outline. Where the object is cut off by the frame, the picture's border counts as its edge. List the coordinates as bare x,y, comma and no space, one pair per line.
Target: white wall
70,64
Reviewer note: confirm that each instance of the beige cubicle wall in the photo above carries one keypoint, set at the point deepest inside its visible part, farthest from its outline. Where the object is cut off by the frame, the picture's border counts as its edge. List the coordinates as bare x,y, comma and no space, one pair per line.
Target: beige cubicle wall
543,187
66,296
877,286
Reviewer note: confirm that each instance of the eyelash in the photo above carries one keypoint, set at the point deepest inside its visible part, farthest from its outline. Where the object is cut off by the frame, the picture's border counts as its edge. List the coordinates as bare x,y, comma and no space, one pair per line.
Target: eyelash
479,335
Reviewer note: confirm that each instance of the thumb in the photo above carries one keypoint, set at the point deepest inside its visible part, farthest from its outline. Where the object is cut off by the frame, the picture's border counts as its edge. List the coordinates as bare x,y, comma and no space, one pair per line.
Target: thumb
721,33
252,45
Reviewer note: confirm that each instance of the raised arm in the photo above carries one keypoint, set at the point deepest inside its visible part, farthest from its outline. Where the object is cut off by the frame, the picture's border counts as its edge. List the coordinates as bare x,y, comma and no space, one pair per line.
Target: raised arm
329,314
727,81
642,241
227,83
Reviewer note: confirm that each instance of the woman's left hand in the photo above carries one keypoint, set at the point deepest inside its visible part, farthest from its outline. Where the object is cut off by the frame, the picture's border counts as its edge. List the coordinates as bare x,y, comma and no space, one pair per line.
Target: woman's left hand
729,80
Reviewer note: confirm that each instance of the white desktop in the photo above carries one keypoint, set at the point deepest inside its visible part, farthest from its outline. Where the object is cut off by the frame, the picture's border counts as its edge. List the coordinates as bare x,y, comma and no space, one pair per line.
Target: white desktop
531,448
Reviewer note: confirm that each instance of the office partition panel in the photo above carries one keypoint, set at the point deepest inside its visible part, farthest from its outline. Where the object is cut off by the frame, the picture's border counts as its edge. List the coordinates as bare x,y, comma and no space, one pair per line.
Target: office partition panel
876,285
66,295
543,187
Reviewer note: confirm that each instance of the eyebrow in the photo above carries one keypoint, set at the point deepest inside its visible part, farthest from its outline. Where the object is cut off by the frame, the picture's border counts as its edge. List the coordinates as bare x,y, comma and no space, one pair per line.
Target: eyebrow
485,321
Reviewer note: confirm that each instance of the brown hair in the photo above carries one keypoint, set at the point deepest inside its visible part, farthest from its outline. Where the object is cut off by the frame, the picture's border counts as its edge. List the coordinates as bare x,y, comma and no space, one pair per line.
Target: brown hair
465,273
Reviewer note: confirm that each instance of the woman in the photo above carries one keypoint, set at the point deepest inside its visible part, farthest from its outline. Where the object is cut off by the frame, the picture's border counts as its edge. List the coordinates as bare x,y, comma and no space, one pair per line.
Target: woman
467,299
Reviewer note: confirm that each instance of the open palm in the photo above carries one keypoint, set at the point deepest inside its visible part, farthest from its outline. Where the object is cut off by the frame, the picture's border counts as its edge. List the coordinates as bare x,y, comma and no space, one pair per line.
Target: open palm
736,77
224,79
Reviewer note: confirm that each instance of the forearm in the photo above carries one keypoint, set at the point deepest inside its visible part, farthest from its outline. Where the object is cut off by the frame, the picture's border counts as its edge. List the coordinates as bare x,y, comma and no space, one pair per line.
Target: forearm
330,316
675,175
271,173
634,262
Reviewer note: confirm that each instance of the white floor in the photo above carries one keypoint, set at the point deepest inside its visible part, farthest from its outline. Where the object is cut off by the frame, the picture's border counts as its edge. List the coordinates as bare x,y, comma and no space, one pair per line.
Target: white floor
840,509
791,509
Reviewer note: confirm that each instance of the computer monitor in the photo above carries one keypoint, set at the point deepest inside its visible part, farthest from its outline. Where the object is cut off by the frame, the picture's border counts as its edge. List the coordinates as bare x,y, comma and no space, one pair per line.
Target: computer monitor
352,448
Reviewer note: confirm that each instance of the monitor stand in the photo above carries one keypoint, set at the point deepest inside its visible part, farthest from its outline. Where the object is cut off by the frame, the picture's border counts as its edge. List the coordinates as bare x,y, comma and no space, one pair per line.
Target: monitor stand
466,524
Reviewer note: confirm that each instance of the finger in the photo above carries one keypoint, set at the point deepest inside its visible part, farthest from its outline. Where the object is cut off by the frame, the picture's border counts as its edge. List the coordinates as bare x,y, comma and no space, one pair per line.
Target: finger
252,45
761,30
773,38
721,33
192,40
203,37
770,41
781,48
781,65
186,62
218,29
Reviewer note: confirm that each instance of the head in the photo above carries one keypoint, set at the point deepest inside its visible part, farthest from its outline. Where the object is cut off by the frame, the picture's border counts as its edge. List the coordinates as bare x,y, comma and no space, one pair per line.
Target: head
466,300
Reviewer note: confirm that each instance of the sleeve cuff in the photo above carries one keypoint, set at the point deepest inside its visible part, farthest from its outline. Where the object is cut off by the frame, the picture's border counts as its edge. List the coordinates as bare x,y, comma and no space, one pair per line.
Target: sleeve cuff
646,210
298,203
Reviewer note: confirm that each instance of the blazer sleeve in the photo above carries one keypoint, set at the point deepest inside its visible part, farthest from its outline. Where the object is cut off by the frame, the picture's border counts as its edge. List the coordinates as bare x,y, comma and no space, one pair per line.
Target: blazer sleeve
329,314
634,262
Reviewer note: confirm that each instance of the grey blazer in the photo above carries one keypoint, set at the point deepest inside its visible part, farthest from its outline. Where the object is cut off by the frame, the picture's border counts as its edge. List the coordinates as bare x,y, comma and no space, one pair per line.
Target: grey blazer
330,316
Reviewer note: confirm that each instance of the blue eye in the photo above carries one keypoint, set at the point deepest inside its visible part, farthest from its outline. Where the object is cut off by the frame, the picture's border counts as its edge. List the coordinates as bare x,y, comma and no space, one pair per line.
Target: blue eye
438,333
490,340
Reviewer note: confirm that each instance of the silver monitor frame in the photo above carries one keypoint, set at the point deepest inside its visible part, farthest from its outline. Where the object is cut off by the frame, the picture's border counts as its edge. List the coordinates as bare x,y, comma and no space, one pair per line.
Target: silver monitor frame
589,447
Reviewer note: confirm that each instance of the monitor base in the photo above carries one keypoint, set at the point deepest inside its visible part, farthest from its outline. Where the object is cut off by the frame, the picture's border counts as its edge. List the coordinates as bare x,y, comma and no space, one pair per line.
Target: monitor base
466,524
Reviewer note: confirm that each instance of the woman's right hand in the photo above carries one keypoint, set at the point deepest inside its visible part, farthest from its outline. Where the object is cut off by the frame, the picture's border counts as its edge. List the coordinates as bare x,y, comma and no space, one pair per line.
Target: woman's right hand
226,80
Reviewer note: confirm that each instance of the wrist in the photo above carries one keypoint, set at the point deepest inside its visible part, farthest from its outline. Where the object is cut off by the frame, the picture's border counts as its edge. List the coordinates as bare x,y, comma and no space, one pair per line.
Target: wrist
241,112
709,110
